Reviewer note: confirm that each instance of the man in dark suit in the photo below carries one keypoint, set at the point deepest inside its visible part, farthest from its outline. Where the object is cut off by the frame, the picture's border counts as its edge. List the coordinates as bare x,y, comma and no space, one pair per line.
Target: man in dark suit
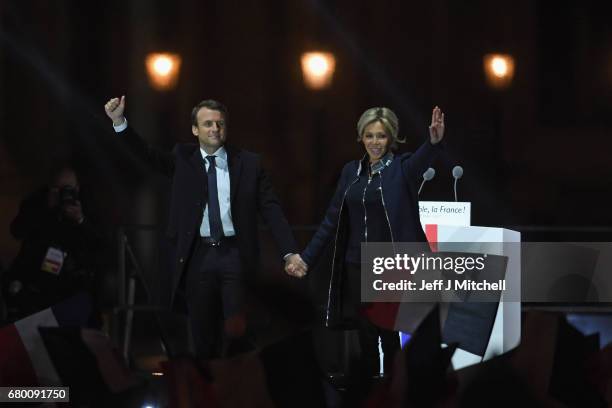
217,192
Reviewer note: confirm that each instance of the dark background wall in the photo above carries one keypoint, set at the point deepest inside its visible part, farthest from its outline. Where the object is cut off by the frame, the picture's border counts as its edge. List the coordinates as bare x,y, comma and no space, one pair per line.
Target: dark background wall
536,154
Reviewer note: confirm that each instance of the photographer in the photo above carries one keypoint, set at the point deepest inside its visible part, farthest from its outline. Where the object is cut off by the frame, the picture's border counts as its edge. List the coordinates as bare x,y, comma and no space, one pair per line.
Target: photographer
59,250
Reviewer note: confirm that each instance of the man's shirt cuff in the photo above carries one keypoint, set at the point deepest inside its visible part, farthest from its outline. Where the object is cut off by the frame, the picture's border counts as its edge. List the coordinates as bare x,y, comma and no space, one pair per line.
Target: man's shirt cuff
121,127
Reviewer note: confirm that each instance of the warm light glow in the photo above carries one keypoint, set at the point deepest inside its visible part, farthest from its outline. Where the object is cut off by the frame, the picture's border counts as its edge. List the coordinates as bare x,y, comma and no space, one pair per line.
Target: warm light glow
499,67
163,70
162,65
499,70
157,374
318,69
317,65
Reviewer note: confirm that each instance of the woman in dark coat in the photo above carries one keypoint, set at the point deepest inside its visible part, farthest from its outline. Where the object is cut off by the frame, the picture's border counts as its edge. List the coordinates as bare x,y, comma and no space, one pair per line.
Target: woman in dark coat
375,201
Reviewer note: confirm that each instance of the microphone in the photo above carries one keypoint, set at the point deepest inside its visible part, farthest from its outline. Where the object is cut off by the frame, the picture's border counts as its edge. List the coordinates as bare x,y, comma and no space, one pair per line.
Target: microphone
457,174
428,175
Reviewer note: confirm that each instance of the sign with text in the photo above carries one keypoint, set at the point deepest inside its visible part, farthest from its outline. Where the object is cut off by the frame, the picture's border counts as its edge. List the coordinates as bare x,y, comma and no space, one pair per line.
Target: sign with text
445,213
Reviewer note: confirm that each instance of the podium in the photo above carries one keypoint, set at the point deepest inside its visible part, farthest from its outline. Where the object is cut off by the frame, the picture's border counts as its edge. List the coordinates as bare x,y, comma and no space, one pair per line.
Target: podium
446,230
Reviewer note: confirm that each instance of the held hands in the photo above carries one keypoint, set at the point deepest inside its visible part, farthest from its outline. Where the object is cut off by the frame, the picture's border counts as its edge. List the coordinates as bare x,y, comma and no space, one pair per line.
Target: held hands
114,109
436,129
295,266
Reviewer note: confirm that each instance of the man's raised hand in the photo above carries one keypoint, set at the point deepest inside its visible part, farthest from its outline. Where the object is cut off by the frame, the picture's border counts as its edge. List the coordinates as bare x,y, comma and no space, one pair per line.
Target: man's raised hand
114,109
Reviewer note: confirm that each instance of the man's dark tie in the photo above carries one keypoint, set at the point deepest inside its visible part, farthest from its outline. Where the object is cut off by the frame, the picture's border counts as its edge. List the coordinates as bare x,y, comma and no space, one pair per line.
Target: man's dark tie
214,213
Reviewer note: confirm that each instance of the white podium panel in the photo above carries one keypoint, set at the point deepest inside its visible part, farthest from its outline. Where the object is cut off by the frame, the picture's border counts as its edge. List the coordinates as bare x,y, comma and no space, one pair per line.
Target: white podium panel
506,333
449,222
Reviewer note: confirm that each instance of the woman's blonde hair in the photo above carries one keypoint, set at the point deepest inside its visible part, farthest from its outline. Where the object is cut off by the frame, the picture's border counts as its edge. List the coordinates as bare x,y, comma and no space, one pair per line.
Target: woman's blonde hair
387,118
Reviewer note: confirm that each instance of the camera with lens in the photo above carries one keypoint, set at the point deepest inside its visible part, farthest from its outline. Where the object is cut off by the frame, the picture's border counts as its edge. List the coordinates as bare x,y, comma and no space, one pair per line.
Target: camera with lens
68,195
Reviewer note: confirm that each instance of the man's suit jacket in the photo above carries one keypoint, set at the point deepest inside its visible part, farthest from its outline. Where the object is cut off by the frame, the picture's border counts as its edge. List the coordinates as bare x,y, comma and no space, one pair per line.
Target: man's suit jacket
251,193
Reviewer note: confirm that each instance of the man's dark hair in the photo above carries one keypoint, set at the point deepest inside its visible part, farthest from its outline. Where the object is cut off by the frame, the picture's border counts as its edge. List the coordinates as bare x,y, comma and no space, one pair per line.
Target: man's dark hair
210,104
